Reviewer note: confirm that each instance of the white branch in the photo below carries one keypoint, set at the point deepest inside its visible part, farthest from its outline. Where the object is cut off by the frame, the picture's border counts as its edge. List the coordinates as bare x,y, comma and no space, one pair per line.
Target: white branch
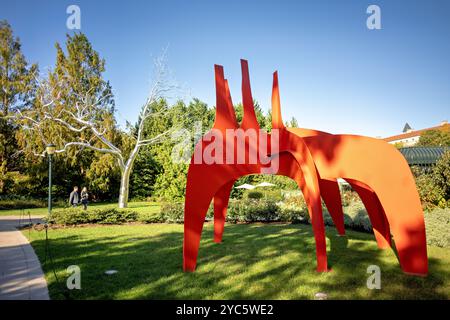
86,145
160,137
82,113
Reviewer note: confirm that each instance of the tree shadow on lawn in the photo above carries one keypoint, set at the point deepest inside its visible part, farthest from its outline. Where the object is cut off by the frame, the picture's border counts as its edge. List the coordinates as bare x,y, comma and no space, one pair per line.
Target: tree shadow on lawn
255,261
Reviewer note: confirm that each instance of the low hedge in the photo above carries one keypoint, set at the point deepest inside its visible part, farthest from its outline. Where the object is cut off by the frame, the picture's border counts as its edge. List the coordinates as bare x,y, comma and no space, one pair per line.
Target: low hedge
251,210
172,212
247,210
255,195
73,216
294,210
26,203
21,204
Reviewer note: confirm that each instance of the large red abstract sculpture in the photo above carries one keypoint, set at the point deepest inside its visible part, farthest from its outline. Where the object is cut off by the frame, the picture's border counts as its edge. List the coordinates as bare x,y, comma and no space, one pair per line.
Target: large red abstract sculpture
314,159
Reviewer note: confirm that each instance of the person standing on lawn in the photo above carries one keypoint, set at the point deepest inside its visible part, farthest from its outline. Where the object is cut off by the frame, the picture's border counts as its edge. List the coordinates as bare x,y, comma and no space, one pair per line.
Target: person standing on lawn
84,197
74,198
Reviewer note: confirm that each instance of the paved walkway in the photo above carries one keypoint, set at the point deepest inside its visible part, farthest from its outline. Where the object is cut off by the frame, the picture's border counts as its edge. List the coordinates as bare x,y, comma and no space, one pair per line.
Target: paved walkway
21,276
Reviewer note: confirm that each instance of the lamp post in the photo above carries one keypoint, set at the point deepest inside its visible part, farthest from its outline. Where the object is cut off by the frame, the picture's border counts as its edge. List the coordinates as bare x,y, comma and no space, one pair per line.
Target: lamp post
50,151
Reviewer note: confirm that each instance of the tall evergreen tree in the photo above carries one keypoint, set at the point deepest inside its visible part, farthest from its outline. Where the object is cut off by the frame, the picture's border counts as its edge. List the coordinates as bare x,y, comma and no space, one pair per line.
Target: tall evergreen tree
16,75
16,90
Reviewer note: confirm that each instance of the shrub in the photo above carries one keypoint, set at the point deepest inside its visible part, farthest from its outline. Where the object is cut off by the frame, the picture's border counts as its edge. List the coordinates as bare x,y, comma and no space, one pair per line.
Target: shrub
293,209
8,204
255,195
150,218
441,174
348,197
357,217
68,216
172,212
430,194
252,211
274,195
112,216
437,223
73,216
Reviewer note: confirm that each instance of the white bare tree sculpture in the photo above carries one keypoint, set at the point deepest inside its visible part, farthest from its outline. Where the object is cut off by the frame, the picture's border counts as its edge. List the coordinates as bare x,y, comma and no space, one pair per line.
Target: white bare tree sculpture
81,125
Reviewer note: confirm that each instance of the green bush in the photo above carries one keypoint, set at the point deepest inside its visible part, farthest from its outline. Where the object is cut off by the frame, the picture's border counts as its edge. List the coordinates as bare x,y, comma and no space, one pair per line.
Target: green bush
437,223
8,204
17,202
430,194
293,209
356,217
348,197
441,174
73,216
255,195
252,211
172,212
150,218
274,195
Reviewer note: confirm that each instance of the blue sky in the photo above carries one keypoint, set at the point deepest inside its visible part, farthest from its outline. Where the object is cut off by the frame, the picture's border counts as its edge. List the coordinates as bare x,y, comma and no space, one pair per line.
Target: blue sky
335,74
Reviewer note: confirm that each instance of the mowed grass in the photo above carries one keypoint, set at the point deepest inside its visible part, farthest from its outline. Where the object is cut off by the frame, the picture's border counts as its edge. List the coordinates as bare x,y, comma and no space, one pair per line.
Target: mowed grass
138,206
255,261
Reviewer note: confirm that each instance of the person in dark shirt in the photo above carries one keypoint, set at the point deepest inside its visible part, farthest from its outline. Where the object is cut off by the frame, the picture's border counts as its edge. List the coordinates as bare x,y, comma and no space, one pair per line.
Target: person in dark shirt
74,198
84,197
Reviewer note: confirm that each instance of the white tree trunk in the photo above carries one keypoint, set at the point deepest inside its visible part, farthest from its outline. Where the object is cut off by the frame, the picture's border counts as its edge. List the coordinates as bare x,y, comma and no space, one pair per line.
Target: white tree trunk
125,179
124,188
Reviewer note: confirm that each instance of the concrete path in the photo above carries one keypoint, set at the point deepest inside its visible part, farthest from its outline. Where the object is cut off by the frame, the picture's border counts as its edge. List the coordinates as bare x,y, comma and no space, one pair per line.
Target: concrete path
21,276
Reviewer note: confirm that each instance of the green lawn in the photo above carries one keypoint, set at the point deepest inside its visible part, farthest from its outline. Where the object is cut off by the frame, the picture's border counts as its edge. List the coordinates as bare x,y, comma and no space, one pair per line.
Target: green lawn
139,207
255,261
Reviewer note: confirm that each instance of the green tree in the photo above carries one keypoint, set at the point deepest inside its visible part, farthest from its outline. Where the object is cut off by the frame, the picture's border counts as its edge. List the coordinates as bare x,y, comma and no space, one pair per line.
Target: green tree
435,138
74,89
16,75
239,109
441,174
171,180
268,121
146,170
292,123
16,90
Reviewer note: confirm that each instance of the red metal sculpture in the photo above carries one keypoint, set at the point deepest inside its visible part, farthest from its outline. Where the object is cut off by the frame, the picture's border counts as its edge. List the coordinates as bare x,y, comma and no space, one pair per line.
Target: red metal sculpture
314,159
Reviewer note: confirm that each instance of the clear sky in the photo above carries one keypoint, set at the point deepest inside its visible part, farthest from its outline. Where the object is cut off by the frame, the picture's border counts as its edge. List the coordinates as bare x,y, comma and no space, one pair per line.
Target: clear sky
335,74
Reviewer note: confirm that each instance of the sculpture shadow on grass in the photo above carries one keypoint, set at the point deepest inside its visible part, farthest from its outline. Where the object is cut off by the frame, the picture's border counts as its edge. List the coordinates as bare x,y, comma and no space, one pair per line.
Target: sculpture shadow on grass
270,261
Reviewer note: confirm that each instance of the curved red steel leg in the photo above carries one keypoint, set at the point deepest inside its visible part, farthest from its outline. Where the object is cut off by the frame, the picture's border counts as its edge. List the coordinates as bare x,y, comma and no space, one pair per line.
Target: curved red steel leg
375,212
293,144
358,158
221,199
331,195
289,167
199,194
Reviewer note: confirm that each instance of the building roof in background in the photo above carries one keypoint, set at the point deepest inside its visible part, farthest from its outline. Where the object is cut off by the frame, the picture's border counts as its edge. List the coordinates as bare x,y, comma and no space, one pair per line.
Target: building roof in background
406,128
423,155
442,127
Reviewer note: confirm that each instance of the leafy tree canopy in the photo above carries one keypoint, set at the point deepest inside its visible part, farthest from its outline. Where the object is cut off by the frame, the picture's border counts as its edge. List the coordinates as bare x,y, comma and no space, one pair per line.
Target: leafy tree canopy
435,138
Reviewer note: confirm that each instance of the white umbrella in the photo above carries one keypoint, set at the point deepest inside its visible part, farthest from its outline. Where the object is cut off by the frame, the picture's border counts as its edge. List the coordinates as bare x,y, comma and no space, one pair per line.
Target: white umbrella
265,184
246,186
342,181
